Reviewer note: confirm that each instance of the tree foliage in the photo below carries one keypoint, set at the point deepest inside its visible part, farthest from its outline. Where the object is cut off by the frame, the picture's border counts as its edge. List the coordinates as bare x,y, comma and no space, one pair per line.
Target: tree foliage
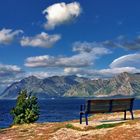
26,109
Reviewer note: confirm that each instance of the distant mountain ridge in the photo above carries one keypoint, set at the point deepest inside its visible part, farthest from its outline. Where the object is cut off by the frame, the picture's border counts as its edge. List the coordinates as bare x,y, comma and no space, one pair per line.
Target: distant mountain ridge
72,86
54,86
125,84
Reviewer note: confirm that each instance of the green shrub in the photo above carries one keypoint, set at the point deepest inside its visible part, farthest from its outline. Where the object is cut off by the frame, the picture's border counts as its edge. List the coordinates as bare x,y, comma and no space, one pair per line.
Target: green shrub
26,109
69,125
106,125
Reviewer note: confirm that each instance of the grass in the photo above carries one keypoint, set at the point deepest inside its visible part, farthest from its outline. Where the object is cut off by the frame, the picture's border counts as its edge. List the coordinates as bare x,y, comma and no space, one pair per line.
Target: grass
70,126
107,125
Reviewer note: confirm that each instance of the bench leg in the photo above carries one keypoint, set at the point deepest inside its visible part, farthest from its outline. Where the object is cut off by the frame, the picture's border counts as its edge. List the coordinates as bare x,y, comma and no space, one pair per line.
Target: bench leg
86,118
125,115
80,118
132,114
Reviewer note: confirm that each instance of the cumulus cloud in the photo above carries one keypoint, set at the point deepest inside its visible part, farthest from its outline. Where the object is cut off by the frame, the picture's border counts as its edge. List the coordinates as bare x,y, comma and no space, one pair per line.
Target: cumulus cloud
8,35
83,57
127,63
90,47
119,42
50,61
130,60
61,13
71,70
9,74
132,44
40,74
113,71
123,42
40,40
76,71
102,73
7,70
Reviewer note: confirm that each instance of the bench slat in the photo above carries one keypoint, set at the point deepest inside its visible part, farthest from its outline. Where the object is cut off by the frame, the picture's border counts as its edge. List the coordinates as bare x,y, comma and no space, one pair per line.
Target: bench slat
110,105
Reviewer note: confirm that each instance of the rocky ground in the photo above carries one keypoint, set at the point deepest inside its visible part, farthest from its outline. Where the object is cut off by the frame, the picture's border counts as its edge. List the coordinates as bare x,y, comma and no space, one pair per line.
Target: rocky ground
101,127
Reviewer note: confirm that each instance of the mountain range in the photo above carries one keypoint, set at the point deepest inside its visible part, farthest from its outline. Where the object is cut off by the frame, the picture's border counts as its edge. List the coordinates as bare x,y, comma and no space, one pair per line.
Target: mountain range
54,86
125,84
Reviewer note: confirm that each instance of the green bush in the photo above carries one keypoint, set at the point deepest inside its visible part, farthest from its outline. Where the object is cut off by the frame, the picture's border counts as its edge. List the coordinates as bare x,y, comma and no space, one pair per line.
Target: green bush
69,125
26,109
107,125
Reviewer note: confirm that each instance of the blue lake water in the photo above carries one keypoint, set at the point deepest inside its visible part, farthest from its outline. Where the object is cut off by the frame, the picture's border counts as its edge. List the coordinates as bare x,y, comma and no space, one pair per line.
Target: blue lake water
51,110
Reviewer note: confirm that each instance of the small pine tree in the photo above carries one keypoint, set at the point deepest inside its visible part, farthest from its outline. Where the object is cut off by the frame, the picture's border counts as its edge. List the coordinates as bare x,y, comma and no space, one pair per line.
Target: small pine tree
26,109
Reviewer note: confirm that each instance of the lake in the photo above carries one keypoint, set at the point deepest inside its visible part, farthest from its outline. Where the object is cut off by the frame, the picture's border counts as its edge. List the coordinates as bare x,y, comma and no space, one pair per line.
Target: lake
51,110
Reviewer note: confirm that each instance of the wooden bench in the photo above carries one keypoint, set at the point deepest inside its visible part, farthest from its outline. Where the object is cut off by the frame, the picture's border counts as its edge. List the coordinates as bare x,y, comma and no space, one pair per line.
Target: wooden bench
106,106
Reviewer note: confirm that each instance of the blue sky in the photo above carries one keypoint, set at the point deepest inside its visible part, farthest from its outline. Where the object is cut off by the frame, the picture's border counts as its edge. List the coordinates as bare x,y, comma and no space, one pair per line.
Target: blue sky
49,37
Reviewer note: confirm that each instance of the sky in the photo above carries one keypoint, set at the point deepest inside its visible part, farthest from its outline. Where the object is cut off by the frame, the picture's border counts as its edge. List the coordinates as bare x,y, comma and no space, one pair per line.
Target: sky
95,39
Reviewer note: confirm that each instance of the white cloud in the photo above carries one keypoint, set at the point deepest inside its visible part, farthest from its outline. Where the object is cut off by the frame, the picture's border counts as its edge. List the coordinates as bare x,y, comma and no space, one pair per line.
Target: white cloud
40,40
83,47
79,60
9,74
127,63
6,70
82,59
102,73
8,35
38,74
45,74
123,42
71,70
61,13
130,60
75,71
40,61
113,71
90,47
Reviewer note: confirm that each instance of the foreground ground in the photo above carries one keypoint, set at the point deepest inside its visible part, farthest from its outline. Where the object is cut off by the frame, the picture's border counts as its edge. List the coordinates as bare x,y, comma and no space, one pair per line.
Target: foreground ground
101,127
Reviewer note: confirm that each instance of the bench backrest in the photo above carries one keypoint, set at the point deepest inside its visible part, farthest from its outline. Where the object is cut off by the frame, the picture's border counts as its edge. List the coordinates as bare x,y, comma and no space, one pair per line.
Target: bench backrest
109,105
